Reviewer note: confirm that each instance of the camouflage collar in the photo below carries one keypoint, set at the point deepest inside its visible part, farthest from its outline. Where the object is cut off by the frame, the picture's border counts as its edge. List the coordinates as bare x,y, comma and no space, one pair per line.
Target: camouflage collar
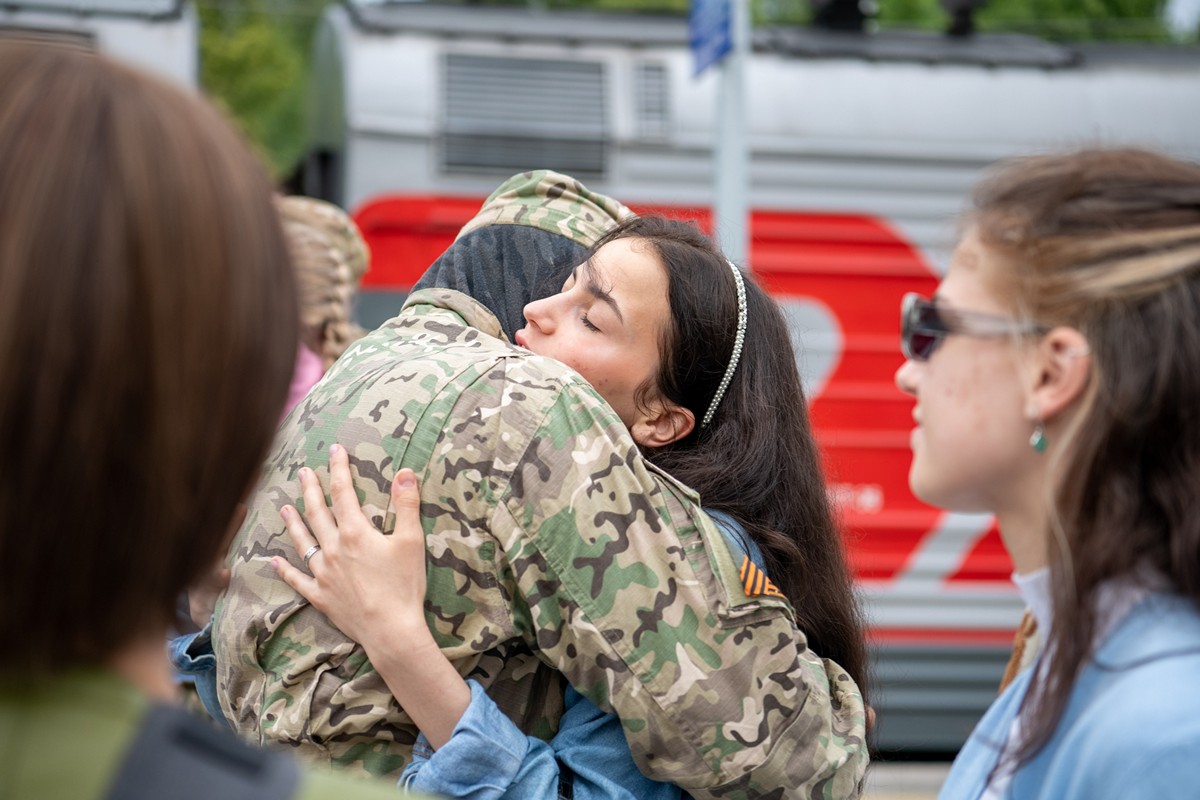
473,313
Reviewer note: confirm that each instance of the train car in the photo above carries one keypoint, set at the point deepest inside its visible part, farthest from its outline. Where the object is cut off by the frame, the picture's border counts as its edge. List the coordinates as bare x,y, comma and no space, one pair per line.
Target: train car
863,148
157,35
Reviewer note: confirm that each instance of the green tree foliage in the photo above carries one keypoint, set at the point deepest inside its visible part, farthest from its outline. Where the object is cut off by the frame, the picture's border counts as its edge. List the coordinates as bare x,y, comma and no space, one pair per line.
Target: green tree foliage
1079,19
254,62
1051,19
1055,19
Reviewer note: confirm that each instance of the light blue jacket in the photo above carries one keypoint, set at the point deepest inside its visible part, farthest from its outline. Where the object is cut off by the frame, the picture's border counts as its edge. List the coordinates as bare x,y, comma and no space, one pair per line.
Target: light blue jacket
1130,730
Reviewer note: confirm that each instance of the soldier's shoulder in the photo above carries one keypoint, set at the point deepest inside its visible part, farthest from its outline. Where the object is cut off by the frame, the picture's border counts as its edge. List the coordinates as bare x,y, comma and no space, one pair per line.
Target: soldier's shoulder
684,494
562,399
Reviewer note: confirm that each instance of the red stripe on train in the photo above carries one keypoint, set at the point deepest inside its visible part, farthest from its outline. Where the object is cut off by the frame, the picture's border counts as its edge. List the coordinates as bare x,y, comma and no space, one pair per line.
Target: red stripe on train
940,636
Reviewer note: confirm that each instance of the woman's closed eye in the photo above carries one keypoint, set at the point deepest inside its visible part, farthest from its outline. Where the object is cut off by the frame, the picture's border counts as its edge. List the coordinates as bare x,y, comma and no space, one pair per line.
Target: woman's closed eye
587,323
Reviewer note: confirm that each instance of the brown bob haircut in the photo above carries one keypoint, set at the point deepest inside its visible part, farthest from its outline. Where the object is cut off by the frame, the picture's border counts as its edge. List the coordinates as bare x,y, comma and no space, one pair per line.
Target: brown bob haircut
147,336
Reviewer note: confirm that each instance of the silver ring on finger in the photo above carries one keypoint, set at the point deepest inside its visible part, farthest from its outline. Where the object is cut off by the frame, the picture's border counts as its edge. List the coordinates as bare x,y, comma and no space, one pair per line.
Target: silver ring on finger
309,553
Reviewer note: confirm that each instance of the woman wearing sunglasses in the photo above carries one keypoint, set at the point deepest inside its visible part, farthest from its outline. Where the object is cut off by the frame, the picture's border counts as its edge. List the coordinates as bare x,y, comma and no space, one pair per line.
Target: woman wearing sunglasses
1057,382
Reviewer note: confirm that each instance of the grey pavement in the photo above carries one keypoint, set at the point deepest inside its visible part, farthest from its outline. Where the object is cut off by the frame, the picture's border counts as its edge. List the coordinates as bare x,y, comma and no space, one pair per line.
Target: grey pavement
905,781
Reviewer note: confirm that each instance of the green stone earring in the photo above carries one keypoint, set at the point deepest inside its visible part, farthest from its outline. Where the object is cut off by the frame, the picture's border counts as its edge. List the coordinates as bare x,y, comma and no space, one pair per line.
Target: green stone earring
1038,440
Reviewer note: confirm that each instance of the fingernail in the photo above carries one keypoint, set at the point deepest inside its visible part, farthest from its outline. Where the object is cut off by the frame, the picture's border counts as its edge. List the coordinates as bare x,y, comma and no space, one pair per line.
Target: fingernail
286,512
275,564
406,480
334,449
304,472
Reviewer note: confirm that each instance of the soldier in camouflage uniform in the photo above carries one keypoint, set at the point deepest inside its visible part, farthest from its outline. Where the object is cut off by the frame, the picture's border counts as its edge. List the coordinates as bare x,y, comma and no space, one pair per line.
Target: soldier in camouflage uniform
554,550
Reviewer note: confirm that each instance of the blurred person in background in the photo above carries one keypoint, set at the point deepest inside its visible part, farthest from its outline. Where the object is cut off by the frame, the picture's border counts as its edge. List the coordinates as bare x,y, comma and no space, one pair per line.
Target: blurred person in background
1056,385
148,337
330,258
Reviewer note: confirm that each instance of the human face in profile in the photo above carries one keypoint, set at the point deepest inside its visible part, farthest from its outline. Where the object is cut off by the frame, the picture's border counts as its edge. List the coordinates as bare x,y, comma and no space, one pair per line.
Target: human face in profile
606,324
970,444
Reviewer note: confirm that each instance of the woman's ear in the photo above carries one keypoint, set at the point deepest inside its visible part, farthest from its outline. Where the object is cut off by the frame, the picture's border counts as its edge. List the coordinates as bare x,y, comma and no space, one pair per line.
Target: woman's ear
661,424
1061,370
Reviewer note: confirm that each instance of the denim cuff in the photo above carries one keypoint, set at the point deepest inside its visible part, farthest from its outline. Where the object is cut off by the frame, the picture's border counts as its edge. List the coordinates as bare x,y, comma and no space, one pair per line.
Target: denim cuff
481,760
193,662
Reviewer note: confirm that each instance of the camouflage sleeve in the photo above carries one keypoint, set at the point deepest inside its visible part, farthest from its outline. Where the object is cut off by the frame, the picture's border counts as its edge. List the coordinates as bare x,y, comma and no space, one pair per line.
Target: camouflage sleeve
623,584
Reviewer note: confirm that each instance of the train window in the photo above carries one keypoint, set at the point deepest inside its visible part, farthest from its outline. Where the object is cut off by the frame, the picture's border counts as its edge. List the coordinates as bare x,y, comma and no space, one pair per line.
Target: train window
506,114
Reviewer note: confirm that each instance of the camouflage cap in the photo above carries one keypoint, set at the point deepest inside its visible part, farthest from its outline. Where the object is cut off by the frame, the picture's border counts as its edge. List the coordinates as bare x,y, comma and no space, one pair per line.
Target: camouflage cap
550,201
520,246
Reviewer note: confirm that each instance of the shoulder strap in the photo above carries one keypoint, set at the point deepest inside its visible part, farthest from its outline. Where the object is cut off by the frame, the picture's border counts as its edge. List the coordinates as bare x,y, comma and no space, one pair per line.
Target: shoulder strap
180,756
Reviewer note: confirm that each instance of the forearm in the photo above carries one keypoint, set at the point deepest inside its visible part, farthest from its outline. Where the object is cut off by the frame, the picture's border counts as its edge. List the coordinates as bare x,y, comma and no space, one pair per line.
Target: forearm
423,681
487,758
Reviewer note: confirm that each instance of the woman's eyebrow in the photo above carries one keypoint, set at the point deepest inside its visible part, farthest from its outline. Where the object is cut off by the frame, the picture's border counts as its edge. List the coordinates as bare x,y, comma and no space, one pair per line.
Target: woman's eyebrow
595,290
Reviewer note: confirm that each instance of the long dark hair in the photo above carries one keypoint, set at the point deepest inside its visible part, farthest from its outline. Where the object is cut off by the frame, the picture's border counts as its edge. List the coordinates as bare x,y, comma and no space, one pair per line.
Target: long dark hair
757,459
1108,242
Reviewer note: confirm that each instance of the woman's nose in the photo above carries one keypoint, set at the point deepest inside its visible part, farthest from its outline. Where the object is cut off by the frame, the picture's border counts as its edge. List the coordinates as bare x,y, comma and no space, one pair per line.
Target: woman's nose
540,314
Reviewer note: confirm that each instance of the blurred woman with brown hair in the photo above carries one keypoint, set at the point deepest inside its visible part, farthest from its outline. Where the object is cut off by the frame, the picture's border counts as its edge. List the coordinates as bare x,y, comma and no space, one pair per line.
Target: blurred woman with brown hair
140,260
1056,385
330,258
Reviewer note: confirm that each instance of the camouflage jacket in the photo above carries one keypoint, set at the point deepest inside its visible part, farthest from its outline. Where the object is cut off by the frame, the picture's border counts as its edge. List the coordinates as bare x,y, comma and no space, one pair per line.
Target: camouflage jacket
553,548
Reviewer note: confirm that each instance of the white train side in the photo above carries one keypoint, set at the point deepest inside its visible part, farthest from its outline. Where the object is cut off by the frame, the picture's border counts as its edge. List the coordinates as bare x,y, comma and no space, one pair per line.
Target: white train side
160,36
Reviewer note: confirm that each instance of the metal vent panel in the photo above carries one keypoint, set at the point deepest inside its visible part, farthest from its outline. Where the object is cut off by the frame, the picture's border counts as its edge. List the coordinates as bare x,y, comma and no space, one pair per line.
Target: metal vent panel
511,114
651,102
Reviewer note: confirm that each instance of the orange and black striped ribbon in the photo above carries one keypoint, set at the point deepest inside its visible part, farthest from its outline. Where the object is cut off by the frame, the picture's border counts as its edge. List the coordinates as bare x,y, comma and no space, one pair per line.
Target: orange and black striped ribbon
755,582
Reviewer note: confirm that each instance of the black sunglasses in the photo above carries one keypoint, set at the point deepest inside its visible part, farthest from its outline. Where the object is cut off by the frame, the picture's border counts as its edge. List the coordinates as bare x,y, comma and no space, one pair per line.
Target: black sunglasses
923,326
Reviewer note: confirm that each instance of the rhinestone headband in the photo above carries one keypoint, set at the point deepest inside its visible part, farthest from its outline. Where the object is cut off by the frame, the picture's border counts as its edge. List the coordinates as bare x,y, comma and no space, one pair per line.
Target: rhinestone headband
737,347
